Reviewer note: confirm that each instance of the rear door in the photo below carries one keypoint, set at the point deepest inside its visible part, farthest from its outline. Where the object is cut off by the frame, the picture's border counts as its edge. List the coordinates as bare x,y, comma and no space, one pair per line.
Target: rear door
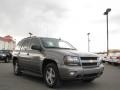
24,58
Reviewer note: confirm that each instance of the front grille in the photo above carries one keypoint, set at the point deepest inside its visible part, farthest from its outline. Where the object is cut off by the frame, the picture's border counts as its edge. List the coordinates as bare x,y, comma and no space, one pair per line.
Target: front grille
89,64
89,61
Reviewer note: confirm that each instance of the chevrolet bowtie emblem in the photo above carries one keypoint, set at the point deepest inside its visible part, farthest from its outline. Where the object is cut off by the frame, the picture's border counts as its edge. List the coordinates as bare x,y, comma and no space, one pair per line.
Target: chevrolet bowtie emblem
91,61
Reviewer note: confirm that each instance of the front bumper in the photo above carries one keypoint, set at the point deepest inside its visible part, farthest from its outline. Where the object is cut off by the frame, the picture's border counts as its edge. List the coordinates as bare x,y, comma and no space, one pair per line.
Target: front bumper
78,72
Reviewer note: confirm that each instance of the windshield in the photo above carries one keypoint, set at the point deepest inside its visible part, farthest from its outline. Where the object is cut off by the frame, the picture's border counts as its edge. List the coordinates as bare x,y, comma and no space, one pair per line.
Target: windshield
56,43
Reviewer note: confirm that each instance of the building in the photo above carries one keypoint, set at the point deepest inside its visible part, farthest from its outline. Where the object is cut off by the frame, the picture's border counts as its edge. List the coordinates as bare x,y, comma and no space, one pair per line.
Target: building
7,43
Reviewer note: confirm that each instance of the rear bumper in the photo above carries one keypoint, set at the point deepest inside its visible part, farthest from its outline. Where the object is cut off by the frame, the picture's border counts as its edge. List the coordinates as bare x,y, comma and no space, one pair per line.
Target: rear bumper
77,72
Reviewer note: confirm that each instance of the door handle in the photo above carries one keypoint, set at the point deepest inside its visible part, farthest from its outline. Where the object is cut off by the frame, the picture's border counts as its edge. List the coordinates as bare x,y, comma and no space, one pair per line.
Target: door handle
27,53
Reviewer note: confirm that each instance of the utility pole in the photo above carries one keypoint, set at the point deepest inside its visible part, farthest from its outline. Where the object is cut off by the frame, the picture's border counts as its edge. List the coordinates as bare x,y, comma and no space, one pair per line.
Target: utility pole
106,13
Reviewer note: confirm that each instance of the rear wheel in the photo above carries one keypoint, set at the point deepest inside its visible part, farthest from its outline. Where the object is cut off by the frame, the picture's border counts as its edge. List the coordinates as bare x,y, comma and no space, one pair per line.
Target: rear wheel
51,76
16,67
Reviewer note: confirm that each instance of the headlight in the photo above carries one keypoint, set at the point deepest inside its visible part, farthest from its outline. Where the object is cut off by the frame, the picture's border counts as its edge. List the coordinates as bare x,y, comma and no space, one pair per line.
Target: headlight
71,60
99,60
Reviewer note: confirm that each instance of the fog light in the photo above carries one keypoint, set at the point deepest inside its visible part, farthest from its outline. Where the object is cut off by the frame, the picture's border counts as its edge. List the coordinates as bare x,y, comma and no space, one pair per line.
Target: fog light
72,73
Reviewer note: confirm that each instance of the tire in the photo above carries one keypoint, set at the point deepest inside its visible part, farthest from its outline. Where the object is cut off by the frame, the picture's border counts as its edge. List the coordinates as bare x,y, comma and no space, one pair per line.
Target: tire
16,68
51,76
115,64
109,63
103,61
88,80
6,60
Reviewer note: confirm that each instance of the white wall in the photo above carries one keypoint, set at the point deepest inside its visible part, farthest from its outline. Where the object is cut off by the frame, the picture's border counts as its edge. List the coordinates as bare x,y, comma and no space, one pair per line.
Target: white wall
7,45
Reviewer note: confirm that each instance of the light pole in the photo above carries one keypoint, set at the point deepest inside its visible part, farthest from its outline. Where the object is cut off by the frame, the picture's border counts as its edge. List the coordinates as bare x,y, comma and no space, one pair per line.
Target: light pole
106,13
88,42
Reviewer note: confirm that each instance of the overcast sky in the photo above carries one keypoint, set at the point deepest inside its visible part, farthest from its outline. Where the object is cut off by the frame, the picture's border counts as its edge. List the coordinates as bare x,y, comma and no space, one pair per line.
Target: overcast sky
70,20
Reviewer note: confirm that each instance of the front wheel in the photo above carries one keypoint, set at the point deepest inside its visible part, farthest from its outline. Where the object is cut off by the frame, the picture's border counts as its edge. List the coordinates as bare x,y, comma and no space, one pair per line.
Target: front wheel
116,64
16,68
109,63
51,76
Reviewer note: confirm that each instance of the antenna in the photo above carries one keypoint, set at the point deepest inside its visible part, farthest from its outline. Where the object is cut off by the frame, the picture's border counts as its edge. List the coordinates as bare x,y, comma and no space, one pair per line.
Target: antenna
30,34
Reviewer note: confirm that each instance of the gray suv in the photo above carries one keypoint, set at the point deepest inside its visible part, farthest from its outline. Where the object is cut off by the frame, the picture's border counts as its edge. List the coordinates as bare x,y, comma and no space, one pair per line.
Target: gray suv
55,60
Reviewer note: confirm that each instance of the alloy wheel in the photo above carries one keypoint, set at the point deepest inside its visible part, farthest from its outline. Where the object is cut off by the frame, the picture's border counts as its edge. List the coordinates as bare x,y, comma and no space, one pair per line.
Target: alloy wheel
50,76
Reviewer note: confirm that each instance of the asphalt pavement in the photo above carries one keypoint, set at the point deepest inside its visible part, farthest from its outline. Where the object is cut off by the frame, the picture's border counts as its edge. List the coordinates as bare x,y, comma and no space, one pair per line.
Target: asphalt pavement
110,80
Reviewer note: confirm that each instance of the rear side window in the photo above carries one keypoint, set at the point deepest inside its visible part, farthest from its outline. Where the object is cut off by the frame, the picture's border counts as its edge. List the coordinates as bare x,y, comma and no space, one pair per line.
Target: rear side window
25,44
19,45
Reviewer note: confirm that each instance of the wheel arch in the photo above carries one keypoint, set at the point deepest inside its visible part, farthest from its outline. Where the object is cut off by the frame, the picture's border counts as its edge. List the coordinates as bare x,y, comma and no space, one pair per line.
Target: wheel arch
47,61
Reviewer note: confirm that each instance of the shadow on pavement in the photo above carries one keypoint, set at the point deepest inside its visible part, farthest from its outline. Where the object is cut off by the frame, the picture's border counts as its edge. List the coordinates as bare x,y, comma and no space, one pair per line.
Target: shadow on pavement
74,84
69,84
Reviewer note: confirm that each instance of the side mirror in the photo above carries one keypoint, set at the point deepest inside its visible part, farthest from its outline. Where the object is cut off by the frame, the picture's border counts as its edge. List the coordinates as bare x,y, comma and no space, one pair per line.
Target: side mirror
36,47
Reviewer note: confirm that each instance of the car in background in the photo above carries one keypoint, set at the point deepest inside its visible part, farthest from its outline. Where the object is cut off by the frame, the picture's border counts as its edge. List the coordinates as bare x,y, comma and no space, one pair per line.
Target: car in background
105,59
5,55
115,59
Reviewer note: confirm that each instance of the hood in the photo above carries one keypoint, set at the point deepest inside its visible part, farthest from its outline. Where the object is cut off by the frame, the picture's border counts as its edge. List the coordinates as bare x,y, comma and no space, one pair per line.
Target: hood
72,52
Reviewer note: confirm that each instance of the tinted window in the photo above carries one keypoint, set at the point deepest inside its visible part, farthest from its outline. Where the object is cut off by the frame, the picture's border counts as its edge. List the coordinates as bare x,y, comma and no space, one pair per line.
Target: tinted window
34,41
25,44
19,44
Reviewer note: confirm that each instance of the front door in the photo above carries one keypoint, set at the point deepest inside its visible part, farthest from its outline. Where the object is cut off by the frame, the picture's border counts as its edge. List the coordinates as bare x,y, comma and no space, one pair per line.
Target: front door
35,56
